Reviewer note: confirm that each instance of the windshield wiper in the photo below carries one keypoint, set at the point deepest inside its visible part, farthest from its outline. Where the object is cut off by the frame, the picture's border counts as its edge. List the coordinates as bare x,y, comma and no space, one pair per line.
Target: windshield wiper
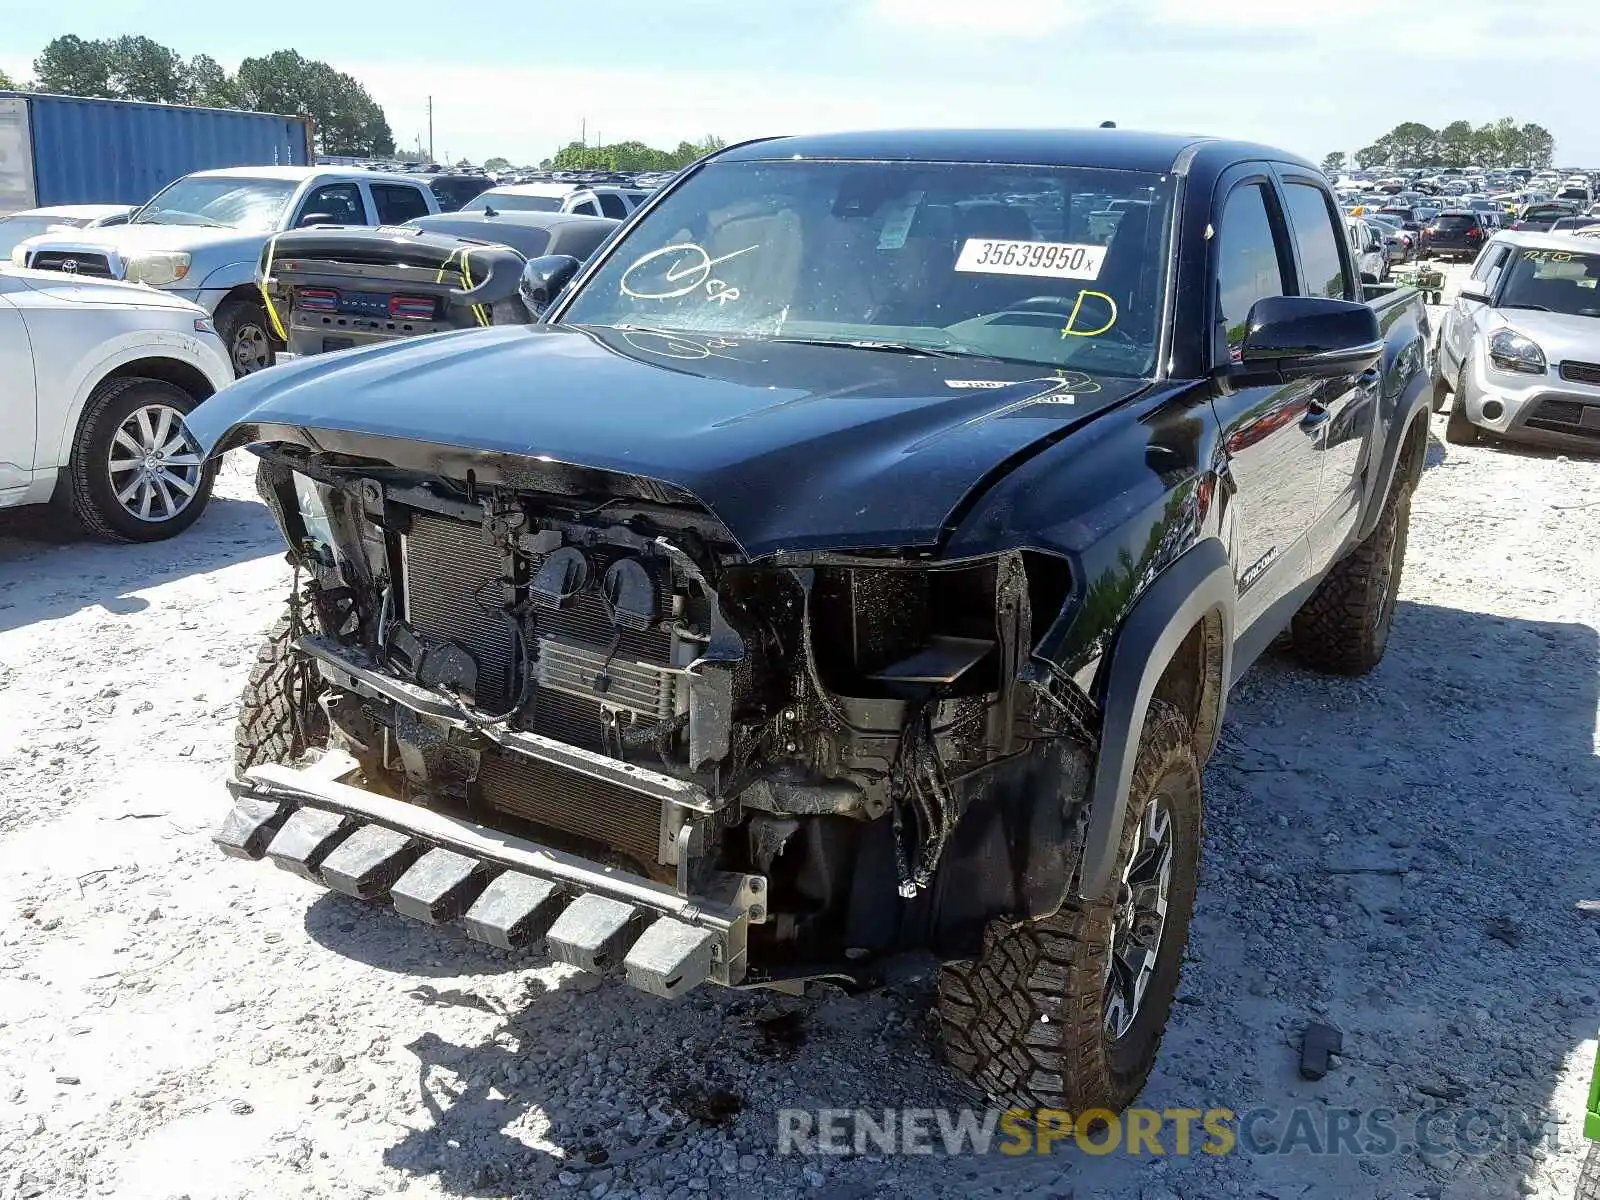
870,344
1535,307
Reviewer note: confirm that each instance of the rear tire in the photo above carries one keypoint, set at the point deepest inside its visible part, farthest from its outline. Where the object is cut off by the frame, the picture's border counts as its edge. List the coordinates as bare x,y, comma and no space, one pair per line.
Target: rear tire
1344,627
279,718
132,461
1032,1021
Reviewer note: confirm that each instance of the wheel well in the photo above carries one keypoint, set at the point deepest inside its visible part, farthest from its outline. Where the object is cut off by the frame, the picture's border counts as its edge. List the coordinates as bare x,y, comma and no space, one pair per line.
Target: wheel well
169,370
247,292
1192,682
1414,450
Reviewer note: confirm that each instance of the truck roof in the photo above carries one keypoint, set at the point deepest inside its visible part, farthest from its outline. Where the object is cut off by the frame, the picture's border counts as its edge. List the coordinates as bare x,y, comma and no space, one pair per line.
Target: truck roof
300,174
1124,149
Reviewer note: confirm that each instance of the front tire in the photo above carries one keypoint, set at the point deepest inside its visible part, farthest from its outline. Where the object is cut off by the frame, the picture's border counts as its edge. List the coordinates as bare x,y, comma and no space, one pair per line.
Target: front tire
135,475
1068,1012
1344,627
279,717
242,326
1458,427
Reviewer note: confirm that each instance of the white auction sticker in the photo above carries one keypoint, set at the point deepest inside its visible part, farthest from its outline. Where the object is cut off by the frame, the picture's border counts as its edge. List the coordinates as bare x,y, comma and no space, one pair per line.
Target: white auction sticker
1048,260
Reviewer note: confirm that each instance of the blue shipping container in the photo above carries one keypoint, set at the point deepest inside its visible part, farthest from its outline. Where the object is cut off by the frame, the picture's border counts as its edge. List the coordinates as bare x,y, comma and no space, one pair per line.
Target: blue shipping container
77,150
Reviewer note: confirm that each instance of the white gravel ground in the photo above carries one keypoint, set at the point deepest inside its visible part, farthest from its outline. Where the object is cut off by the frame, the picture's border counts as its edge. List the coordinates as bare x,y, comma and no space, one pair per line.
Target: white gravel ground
1401,856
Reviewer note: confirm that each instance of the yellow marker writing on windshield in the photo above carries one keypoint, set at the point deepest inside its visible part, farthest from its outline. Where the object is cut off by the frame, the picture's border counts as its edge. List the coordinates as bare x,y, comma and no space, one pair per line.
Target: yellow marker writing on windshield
1067,330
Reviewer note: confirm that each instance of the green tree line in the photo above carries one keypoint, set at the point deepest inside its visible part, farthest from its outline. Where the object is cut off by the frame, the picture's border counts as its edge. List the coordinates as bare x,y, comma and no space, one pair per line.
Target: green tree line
630,156
1502,143
348,120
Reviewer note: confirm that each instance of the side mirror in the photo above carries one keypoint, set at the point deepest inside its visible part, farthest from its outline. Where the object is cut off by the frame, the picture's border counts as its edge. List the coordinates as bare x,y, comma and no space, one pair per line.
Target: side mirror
1475,289
542,280
1298,337
316,218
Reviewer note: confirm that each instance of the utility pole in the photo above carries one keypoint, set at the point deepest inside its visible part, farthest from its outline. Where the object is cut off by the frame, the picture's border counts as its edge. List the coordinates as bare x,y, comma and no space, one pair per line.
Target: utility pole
430,130
583,132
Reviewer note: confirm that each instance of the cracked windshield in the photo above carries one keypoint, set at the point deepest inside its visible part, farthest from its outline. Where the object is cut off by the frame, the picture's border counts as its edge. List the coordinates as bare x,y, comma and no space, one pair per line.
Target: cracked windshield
1049,265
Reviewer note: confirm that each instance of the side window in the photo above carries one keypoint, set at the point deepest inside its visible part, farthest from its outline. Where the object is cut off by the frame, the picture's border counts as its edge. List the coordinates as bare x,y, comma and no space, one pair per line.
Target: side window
336,204
1497,266
612,206
397,203
1318,245
1248,267
1491,257
587,209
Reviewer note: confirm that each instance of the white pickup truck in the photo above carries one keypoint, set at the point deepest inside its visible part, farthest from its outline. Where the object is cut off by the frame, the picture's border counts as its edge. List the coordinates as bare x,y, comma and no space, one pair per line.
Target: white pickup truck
201,238
95,378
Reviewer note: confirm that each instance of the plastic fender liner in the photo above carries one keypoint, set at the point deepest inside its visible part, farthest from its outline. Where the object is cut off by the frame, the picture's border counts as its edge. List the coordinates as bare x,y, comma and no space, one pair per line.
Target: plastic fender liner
1413,407
1198,583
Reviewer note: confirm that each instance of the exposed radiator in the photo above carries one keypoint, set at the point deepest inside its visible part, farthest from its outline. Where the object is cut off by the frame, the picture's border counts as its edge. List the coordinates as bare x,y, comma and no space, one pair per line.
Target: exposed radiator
449,564
597,812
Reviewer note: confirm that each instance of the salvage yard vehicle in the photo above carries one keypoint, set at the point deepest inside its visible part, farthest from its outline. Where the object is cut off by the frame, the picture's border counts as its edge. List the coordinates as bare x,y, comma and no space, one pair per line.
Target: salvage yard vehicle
31,222
1520,349
97,378
840,571
591,200
201,237
331,289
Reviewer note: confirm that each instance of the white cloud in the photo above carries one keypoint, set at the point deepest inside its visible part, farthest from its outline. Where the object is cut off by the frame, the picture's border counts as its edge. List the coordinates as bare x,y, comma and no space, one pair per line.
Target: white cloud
972,18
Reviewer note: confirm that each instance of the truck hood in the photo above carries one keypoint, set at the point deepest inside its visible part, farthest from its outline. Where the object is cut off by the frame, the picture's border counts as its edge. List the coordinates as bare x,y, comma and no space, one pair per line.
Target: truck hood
793,447
123,239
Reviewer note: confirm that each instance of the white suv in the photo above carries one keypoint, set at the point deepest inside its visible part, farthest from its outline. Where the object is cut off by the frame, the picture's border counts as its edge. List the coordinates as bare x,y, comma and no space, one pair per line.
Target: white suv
95,379
589,200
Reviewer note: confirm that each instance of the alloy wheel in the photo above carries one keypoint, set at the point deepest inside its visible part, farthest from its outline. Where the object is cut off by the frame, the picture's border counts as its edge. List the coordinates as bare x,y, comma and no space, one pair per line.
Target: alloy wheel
251,350
153,464
1139,919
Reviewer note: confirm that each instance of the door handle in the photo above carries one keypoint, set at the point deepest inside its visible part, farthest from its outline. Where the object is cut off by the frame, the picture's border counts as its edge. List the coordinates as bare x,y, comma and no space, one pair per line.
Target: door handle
1316,414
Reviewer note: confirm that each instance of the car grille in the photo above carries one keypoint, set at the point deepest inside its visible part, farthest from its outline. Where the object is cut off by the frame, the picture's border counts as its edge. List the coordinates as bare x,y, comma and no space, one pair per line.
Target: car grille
1579,372
1566,416
96,266
592,810
448,566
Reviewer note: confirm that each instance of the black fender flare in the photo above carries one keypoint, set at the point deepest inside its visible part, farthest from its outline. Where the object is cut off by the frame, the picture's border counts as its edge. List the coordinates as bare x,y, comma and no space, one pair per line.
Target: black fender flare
1199,583
1415,405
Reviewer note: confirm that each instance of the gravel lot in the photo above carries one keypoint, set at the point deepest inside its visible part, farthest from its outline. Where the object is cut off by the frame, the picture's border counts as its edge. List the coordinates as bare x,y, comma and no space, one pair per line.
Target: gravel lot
1400,856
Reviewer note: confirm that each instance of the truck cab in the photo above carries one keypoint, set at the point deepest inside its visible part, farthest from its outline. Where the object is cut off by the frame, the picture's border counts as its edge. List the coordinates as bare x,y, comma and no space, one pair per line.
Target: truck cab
202,236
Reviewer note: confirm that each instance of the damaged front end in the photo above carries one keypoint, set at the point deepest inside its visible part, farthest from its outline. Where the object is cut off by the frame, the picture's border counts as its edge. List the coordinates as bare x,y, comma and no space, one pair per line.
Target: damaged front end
558,702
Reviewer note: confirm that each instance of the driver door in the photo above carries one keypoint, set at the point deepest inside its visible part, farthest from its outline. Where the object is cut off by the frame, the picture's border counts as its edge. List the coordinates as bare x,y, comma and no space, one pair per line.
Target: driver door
1274,464
340,203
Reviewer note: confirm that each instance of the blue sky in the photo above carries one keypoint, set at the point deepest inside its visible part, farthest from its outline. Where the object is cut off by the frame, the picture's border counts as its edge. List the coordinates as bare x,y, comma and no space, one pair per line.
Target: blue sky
519,78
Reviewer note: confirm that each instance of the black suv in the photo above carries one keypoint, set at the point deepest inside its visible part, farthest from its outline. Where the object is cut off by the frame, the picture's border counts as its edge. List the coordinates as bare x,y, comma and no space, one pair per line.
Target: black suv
1458,233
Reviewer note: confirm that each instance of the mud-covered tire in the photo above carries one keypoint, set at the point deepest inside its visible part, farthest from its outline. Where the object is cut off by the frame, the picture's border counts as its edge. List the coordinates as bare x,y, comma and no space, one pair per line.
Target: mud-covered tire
1026,1023
88,487
1589,1175
1344,627
279,719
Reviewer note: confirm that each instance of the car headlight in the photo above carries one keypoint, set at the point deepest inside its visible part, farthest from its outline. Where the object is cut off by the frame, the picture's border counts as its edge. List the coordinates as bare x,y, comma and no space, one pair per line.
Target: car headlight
155,268
19,255
311,499
1512,351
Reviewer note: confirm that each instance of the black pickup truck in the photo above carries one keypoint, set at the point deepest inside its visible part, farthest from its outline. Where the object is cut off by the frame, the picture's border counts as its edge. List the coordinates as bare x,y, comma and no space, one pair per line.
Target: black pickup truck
849,570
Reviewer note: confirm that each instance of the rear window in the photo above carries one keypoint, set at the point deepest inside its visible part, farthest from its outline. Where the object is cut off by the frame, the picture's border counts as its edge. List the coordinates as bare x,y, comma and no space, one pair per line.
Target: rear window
1455,223
504,202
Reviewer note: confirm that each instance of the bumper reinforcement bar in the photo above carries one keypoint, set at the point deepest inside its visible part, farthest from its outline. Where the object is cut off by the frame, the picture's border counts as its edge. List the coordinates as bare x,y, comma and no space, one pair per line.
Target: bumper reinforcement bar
499,889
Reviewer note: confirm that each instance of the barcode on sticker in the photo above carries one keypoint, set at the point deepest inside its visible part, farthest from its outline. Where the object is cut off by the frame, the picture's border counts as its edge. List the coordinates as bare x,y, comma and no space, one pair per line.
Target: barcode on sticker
1049,260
